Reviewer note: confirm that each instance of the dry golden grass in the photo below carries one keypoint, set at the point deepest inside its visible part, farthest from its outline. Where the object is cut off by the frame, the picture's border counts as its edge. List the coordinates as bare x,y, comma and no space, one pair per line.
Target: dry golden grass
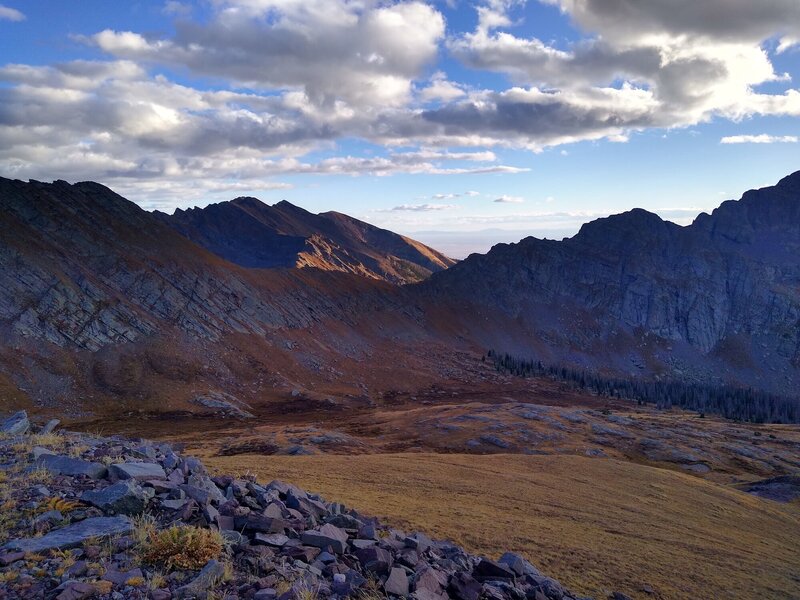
596,525
183,547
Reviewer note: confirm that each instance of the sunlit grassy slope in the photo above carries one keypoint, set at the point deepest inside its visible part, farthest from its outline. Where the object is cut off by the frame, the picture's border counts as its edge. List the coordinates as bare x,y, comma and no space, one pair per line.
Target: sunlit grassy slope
596,525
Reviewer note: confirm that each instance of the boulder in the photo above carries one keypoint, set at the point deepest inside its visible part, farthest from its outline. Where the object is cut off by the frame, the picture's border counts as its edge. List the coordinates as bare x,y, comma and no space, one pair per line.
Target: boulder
74,535
211,492
76,590
210,576
374,559
463,586
397,583
519,565
16,424
488,570
124,497
325,536
139,471
271,539
50,426
260,524
73,467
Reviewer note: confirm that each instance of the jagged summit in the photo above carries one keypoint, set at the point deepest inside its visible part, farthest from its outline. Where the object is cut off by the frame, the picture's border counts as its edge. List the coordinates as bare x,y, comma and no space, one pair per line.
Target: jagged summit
724,286
253,234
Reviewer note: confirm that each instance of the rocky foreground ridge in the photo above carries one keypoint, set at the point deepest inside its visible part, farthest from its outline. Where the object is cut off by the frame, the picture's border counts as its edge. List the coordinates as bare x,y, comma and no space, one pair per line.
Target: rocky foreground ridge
90,517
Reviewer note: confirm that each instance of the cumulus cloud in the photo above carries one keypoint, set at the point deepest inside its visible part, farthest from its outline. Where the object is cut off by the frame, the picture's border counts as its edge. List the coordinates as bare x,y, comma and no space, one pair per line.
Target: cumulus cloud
759,139
504,199
441,89
290,77
361,52
678,61
10,14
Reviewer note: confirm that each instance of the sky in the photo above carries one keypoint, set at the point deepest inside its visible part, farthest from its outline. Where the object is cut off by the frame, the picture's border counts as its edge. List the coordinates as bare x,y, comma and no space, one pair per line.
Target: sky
461,123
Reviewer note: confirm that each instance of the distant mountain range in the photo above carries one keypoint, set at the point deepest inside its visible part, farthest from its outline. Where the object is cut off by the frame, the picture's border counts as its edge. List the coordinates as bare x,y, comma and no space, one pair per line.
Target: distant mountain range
104,304
250,233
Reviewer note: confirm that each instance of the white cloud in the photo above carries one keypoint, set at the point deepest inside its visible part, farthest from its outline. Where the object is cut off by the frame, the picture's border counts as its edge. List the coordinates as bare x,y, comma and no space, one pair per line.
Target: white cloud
363,53
509,199
177,9
440,88
295,76
786,43
10,14
759,139
423,207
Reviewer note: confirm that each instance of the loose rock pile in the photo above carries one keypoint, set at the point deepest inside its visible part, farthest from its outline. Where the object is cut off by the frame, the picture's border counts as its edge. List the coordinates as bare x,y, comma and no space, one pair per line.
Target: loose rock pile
79,514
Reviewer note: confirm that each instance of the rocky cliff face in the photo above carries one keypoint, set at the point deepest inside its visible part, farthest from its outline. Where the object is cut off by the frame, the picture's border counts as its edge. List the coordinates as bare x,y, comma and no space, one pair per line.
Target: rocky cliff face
99,300
250,233
102,300
81,266
727,286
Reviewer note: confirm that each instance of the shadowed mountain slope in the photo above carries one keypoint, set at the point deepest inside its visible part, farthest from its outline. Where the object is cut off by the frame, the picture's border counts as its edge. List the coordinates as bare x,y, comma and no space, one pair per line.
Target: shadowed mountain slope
250,233
103,302
632,292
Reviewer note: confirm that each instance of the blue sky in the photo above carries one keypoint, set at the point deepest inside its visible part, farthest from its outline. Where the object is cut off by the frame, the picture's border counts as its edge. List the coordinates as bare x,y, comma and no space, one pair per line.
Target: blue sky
462,123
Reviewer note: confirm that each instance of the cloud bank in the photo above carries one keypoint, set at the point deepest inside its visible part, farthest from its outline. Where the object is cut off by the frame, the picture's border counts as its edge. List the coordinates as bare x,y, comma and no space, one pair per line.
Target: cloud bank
293,77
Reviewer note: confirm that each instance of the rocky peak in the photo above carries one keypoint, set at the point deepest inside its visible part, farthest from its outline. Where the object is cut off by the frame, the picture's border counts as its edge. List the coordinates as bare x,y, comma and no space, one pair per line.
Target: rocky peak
253,234
626,230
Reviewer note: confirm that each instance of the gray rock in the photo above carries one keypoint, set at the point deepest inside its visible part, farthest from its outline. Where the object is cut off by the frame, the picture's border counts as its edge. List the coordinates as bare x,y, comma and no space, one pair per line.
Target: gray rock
16,424
124,497
224,404
51,517
39,451
464,587
134,470
50,426
74,535
210,576
327,535
344,522
66,465
271,539
174,504
374,559
205,483
75,590
397,582
488,570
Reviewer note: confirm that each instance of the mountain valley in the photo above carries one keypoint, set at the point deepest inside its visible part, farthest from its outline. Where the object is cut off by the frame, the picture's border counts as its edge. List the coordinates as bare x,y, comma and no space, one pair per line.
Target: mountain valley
354,361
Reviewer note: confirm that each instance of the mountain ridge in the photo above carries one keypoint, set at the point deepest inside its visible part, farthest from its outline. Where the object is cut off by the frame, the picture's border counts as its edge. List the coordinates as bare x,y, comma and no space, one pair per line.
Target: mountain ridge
731,277
83,270
254,234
